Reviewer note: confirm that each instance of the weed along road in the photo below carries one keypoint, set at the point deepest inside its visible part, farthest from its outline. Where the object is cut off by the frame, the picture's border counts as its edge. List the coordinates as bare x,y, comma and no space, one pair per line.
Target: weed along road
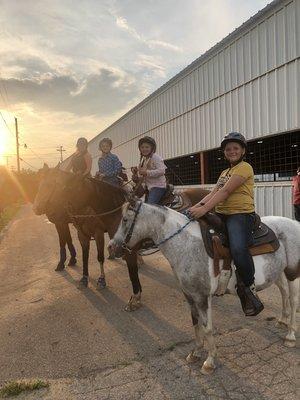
87,347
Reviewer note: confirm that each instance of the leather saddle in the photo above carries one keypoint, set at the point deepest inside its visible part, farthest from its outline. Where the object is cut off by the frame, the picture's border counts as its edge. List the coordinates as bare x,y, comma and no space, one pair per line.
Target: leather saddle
216,240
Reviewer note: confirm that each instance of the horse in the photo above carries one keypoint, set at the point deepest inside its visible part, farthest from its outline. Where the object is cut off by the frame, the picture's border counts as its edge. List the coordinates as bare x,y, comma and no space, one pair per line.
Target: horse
180,241
60,188
51,200
61,222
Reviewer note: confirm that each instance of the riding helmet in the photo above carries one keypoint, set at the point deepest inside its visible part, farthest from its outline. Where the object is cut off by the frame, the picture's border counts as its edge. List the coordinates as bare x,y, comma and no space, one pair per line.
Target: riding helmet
234,137
149,140
105,140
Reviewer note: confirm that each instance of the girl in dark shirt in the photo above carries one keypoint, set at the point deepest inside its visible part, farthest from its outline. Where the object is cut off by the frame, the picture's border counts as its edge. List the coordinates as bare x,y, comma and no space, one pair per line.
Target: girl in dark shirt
81,161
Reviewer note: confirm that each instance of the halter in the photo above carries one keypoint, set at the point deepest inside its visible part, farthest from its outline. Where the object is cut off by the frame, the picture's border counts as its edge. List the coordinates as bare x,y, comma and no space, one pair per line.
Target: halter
130,231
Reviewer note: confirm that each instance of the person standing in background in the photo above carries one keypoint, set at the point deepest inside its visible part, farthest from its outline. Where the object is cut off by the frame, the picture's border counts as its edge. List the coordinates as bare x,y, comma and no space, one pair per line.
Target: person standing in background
296,195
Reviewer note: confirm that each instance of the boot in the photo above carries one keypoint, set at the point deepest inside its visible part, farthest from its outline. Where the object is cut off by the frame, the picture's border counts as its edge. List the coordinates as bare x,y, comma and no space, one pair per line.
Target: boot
253,304
250,302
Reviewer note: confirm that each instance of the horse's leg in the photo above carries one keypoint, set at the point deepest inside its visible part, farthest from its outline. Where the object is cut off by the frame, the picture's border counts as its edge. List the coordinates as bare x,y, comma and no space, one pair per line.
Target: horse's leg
85,246
71,247
205,314
99,238
194,356
290,339
282,285
135,300
62,247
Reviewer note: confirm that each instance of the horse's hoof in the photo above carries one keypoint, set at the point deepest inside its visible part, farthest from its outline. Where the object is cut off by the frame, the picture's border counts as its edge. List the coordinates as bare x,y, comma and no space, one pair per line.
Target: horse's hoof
83,283
281,324
289,343
60,267
101,283
72,262
191,358
133,304
207,369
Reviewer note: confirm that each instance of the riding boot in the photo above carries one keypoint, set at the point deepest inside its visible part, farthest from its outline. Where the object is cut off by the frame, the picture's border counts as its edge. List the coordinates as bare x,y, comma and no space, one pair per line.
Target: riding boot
250,302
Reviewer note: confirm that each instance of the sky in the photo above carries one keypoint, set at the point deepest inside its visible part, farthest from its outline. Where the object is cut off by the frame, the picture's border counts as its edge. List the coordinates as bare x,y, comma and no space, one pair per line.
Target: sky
70,68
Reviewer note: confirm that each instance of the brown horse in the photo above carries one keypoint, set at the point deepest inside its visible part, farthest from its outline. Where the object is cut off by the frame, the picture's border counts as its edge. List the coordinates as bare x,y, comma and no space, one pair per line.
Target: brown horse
61,222
95,206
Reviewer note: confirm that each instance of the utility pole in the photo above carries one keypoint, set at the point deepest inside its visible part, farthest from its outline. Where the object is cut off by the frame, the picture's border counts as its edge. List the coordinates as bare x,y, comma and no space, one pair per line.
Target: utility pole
61,149
17,144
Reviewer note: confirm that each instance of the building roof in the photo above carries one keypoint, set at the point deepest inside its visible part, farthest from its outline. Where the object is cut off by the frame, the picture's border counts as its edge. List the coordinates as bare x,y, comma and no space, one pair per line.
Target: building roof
240,31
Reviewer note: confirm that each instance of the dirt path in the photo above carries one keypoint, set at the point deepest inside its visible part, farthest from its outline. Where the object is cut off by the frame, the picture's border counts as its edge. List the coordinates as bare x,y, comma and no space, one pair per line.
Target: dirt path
89,348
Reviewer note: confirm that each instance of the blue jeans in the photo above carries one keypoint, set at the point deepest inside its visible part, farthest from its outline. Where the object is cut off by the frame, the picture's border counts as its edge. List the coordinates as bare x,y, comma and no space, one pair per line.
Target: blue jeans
155,195
239,229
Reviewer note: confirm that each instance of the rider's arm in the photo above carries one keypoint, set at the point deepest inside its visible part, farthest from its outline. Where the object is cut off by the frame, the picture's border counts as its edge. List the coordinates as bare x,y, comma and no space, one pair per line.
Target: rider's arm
89,162
207,197
159,168
222,194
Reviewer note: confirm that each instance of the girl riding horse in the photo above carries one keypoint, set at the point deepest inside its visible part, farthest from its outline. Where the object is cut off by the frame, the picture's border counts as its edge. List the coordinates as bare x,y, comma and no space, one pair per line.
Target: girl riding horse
233,199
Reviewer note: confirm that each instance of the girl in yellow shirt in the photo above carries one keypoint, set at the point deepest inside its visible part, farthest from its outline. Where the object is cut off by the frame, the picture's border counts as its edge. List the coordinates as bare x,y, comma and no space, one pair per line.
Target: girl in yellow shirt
233,200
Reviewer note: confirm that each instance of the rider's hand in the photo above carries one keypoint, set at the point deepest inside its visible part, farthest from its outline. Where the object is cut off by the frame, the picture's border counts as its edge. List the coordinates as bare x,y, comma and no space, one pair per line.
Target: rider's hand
197,212
142,171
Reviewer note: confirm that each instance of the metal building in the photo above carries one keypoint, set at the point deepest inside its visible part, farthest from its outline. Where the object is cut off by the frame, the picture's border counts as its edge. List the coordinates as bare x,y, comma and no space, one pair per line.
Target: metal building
249,82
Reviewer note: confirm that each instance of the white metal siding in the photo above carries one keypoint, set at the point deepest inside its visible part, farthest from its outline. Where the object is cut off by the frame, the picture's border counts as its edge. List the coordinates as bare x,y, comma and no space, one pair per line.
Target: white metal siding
251,85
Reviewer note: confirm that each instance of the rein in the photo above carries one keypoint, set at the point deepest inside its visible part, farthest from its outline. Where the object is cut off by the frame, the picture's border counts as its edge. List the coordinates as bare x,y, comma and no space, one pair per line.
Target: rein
130,231
93,215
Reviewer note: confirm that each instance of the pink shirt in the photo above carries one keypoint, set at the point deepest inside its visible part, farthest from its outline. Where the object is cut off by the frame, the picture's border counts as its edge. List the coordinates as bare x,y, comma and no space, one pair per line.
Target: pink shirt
296,189
155,172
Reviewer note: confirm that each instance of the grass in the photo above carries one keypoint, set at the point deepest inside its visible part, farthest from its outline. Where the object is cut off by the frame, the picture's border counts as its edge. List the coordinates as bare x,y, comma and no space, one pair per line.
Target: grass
14,388
7,214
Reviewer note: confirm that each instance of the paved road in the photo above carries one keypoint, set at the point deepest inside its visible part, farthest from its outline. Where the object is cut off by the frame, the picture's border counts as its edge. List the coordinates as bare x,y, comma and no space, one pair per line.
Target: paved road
87,347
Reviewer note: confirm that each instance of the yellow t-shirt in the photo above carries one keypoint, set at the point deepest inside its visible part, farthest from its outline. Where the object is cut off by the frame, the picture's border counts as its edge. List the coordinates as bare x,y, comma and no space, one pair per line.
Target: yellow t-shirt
242,199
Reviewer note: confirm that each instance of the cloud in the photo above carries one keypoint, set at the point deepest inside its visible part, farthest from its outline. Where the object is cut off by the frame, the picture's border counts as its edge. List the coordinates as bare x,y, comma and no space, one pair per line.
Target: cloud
97,94
122,23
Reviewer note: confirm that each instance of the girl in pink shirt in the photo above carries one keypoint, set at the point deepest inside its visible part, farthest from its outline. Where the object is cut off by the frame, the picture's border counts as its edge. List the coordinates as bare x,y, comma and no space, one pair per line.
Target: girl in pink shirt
152,170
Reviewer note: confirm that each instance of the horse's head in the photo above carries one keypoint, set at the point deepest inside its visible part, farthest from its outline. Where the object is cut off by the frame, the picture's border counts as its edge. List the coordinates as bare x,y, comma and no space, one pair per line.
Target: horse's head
136,224
51,197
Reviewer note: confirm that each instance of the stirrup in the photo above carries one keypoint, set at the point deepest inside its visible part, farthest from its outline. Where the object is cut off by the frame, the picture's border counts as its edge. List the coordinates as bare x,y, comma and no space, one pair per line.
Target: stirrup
223,282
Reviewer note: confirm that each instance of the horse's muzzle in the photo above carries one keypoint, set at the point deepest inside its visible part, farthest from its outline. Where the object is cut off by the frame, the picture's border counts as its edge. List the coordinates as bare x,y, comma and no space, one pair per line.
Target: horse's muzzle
115,248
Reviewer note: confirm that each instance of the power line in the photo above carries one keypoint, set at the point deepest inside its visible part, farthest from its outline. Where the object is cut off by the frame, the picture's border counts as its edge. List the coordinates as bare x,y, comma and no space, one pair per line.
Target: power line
6,124
29,165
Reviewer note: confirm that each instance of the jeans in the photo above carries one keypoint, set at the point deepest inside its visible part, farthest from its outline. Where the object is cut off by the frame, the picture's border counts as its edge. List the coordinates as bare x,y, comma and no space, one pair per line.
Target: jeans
239,230
297,212
155,195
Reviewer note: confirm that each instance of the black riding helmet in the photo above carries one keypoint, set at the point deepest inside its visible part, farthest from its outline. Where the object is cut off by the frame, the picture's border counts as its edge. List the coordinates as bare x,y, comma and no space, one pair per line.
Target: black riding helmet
149,140
234,137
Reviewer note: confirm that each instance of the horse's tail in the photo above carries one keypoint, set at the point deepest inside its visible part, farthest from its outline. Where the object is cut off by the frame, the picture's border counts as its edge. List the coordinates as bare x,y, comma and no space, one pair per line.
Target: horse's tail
290,235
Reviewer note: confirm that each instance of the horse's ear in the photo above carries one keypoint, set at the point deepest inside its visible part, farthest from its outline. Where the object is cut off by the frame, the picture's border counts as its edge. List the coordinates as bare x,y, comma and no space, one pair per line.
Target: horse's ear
45,167
57,166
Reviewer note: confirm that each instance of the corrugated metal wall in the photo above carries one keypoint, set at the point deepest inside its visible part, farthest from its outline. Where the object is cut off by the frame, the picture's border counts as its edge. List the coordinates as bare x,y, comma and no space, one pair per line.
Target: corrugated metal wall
250,84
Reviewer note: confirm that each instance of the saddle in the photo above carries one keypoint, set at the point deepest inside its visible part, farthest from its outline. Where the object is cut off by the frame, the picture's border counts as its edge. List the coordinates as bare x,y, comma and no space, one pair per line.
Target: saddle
216,242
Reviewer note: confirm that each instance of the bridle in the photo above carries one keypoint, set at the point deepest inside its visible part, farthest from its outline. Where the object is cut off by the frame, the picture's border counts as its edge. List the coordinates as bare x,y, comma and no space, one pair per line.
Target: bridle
136,211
